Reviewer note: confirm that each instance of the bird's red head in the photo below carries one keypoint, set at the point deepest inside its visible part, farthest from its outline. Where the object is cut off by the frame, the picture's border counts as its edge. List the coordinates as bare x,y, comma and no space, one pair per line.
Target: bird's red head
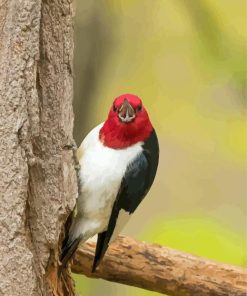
127,123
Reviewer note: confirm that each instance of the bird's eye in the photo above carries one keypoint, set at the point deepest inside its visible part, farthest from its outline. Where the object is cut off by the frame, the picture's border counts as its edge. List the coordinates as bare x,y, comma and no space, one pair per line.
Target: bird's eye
139,108
114,108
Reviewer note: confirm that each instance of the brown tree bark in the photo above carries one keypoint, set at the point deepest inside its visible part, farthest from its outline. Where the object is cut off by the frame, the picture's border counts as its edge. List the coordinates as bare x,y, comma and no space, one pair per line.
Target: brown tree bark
38,186
162,269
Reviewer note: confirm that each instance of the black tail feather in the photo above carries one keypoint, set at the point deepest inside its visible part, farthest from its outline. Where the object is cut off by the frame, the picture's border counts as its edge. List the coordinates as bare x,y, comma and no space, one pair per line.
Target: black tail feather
68,250
102,245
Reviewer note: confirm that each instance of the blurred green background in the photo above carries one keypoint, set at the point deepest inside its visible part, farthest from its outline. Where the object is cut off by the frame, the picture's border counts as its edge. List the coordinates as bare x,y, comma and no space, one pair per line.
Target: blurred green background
187,61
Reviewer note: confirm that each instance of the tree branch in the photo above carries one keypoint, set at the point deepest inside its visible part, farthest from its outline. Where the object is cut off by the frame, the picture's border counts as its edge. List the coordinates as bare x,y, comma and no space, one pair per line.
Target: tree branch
161,269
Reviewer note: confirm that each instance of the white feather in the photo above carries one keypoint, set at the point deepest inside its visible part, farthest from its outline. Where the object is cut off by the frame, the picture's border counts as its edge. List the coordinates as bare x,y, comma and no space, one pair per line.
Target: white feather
102,170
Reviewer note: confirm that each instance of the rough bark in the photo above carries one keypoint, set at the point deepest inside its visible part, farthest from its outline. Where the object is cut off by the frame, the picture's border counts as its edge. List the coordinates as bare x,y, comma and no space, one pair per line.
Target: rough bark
38,184
161,269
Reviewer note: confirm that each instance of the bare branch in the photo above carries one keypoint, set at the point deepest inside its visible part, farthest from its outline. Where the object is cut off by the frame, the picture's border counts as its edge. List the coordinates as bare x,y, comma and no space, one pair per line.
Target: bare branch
161,269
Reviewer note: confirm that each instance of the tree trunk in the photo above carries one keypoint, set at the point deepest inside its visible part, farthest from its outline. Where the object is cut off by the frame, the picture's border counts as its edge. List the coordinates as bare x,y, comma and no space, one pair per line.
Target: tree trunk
38,186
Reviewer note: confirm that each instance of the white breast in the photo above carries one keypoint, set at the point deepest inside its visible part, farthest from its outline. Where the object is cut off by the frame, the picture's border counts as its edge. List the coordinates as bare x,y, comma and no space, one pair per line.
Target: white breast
102,170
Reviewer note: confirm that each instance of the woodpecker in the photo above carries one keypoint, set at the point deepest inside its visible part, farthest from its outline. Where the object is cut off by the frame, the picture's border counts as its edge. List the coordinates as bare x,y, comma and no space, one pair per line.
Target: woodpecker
118,162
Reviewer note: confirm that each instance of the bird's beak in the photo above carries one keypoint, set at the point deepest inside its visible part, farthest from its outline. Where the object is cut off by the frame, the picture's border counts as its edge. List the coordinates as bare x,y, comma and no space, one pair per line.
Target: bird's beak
126,112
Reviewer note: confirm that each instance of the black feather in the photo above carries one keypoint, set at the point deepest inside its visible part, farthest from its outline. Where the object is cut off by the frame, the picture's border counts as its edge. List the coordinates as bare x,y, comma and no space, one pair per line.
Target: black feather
100,250
136,183
69,250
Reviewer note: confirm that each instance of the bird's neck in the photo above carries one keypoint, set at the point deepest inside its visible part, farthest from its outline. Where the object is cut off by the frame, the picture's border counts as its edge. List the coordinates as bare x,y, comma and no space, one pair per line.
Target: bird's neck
119,135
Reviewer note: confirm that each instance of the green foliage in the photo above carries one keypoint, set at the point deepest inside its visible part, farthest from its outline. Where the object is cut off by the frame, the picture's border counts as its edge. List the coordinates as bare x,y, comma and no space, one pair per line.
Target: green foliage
200,235
83,284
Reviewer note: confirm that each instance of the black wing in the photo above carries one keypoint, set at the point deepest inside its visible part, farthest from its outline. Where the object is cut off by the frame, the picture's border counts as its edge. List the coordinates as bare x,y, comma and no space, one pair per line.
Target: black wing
138,178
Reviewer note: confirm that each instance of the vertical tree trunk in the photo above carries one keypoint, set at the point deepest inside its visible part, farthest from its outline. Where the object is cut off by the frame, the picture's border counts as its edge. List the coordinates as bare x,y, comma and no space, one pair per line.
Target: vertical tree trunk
38,184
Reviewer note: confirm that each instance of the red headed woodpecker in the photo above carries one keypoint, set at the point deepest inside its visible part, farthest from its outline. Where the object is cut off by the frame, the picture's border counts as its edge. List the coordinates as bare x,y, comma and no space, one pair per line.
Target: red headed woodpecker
118,162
